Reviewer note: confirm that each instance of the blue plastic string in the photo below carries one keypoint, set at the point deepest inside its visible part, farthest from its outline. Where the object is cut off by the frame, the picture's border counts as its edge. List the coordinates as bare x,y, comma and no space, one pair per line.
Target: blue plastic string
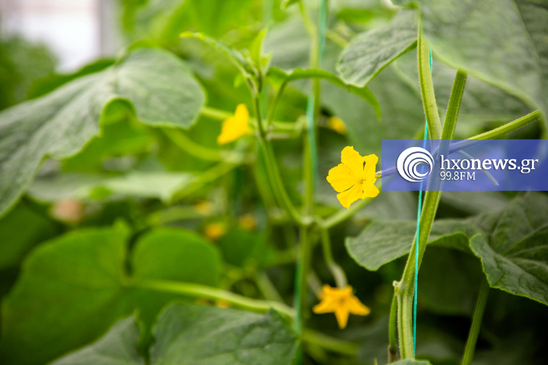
419,211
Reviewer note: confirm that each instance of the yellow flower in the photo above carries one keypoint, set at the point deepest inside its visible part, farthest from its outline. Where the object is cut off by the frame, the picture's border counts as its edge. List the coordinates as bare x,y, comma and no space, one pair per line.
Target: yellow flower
341,302
337,125
204,207
214,231
355,177
248,222
236,126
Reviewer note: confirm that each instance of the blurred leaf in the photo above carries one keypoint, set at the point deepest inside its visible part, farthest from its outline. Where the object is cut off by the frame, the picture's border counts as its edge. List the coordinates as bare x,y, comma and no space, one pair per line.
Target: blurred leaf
162,91
402,114
515,254
21,63
511,53
215,16
412,362
368,53
117,139
311,73
116,347
449,281
240,247
138,184
16,241
73,288
44,85
481,102
287,3
201,335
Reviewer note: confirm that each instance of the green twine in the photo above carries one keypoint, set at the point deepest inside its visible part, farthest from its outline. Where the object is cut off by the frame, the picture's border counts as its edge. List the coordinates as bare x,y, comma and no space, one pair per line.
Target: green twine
419,211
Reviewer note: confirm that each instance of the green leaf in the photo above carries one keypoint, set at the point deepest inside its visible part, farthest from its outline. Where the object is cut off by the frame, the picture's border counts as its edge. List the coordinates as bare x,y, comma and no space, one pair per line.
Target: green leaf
16,242
384,241
215,17
287,3
310,73
73,288
139,184
368,53
116,347
159,85
515,254
200,335
502,42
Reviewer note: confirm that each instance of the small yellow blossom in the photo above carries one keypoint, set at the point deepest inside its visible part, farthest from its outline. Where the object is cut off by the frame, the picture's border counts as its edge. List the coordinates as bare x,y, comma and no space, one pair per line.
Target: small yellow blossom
248,221
222,303
214,231
236,126
341,302
354,178
204,207
337,125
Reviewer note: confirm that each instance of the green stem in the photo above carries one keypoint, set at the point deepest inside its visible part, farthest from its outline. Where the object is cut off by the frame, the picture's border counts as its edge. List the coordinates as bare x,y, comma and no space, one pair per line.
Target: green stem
206,177
215,113
405,289
510,127
267,288
476,323
197,150
427,88
392,332
202,291
453,108
336,270
330,343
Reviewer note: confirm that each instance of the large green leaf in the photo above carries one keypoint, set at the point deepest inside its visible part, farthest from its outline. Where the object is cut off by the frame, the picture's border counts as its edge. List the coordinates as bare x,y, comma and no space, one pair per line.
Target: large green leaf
157,84
368,53
73,288
502,42
515,254
139,184
385,241
117,347
200,335
16,242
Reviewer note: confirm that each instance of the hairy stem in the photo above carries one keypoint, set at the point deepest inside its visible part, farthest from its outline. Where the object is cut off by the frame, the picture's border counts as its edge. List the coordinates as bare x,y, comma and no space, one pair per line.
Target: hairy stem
202,291
476,323
392,332
510,127
427,88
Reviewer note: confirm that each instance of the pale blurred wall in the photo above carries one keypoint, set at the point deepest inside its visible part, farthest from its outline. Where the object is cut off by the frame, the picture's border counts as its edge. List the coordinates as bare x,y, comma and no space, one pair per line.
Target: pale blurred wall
78,31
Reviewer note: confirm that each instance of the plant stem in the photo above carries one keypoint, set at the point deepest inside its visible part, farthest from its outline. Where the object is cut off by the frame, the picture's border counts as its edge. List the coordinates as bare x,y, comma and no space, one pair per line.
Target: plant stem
453,108
215,113
510,127
202,291
476,323
336,270
405,289
330,343
274,173
427,88
197,150
392,332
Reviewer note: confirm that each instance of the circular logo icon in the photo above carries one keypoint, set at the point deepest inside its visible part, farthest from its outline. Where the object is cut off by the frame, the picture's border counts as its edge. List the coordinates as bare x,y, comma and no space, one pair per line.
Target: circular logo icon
409,162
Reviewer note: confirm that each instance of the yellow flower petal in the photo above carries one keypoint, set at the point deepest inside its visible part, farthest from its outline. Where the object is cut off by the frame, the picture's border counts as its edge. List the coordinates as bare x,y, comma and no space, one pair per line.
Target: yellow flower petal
342,317
370,165
353,160
348,197
337,125
342,178
369,191
236,126
357,307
